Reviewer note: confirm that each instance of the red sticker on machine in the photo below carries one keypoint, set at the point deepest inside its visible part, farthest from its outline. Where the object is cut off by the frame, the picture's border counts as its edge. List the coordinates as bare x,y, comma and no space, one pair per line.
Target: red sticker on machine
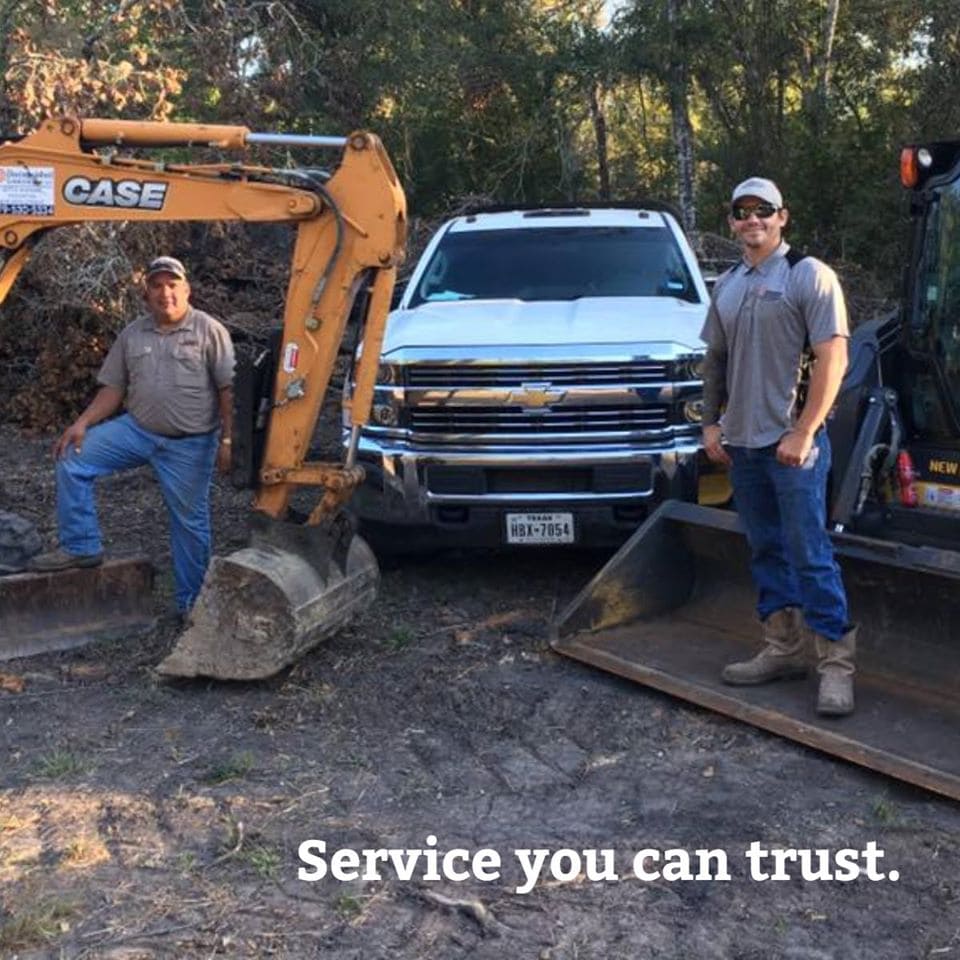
291,355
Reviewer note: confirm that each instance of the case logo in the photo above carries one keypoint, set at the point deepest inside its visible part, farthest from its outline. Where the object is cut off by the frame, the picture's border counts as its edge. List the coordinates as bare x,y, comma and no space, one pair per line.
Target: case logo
142,194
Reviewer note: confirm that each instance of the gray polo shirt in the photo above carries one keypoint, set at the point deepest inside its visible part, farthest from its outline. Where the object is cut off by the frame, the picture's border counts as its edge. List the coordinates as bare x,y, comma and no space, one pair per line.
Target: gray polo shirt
761,319
171,379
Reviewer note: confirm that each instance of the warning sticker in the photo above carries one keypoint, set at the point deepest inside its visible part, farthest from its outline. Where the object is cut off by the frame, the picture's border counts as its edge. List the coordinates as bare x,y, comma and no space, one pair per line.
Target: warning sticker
27,191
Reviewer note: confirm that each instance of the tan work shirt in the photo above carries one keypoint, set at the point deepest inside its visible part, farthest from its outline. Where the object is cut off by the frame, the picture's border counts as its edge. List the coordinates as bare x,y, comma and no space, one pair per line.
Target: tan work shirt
171,377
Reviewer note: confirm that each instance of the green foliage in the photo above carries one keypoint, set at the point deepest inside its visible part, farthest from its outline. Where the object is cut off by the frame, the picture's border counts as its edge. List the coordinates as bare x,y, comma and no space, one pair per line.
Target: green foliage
35,924
59,764
234,767
537,100
264,860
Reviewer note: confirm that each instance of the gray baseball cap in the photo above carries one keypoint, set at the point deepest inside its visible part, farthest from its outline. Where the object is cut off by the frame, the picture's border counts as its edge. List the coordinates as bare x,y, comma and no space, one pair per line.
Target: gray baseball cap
166,265
760,188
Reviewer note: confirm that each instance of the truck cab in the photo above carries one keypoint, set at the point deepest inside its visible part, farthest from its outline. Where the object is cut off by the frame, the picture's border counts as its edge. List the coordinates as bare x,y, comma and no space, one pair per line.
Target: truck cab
539,382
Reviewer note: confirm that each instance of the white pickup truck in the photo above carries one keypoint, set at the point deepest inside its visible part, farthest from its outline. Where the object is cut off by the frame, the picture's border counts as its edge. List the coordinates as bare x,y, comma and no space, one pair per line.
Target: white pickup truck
540,382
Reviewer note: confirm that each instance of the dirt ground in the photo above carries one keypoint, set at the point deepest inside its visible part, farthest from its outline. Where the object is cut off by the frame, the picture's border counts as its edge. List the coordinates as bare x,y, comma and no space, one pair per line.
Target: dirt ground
141,818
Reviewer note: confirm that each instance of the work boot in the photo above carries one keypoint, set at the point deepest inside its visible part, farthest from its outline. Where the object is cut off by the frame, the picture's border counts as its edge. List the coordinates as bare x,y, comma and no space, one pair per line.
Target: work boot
782,655
836,668
59,559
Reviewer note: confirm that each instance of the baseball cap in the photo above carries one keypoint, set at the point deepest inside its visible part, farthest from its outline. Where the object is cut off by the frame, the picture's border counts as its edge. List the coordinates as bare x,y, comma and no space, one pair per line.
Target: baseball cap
760,188
166,265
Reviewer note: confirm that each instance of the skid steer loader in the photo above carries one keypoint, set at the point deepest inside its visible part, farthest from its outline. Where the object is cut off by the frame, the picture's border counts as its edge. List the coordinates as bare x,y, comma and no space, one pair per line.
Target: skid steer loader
676,602
263,606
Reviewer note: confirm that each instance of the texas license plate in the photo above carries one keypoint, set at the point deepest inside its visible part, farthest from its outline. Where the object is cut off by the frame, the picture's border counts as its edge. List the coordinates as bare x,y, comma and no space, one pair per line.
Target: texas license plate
540,528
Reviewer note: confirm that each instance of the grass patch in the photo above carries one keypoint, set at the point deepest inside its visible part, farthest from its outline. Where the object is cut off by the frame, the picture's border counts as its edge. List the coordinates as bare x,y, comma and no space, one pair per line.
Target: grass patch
85,852
884,810
38,924
400,638
348,906
59,764
264,860
233,768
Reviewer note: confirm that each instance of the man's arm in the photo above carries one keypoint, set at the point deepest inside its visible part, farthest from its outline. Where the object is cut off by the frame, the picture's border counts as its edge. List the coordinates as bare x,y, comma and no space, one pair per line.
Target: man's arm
714,396
825,379
106,402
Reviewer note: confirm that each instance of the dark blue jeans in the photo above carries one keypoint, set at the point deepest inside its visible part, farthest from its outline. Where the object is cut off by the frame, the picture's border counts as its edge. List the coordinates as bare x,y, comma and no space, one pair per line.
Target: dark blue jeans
783,510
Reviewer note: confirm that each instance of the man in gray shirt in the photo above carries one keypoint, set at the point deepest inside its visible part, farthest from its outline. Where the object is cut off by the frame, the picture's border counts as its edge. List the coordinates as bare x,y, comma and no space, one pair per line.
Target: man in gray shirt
767,314
173,368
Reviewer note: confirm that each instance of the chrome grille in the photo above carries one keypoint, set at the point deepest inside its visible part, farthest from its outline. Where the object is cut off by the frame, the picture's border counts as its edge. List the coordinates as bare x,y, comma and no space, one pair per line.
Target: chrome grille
548,420
513,375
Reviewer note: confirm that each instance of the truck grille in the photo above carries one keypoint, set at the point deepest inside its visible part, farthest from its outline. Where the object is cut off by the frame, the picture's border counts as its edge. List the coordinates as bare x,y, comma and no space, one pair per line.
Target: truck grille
561,419
451,376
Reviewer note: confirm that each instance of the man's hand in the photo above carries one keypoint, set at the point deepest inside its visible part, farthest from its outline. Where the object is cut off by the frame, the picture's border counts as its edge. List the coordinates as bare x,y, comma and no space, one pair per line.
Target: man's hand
713,447
224,457
71,437
794,447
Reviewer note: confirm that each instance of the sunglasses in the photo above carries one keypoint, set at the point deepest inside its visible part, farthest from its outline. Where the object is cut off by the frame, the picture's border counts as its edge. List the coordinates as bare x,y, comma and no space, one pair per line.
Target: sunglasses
763,210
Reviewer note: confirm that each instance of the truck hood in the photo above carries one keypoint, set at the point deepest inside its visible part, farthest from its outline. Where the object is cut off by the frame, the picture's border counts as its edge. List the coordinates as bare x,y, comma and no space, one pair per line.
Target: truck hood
614,322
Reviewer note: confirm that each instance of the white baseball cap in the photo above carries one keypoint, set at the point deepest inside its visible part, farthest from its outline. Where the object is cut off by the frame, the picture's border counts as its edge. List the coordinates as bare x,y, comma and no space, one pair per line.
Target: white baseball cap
760,188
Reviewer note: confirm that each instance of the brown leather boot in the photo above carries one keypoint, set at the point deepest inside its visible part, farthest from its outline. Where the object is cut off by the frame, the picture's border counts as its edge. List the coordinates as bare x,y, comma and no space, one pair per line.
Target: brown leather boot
836,668
782,654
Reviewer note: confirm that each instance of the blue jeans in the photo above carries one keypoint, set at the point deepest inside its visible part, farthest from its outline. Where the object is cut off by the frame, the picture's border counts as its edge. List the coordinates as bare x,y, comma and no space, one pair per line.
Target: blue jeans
783,510
184,470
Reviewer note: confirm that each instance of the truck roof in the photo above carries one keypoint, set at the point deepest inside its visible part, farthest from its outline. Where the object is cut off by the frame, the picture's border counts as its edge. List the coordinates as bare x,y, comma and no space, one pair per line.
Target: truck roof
546,217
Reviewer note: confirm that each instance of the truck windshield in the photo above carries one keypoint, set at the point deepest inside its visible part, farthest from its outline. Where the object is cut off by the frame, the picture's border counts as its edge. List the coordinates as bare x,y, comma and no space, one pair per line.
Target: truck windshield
556,263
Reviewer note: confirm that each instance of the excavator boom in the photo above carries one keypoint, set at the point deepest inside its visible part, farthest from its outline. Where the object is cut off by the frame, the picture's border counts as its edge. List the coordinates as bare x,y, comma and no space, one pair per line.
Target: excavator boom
296,583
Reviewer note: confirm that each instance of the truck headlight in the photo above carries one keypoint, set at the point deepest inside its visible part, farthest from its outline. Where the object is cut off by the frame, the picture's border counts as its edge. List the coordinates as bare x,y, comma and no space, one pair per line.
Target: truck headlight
693,411
387,374
691,368
384,414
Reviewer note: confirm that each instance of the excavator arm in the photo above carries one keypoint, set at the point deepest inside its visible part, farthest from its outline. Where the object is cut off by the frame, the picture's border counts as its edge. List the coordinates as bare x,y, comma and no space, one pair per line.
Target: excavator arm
349,225
352,223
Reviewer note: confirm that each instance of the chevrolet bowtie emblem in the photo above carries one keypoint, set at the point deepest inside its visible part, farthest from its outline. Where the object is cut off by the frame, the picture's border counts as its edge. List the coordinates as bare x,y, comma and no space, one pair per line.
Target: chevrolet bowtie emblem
536,395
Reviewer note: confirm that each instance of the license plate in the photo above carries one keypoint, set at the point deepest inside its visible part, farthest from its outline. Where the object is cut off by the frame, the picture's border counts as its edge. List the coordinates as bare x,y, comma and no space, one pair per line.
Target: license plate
540,528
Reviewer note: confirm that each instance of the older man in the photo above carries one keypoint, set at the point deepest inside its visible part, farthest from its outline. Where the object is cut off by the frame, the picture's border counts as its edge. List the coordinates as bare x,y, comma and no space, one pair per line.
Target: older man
173,369
767,314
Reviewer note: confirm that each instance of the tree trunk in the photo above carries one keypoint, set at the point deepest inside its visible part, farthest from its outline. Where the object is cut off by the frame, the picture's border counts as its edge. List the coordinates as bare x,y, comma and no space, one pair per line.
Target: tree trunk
600,131
678,84
826,53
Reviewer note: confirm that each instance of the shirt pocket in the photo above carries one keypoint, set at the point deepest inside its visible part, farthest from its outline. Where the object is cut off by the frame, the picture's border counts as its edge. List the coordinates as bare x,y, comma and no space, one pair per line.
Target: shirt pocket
770,306
137,358
188,367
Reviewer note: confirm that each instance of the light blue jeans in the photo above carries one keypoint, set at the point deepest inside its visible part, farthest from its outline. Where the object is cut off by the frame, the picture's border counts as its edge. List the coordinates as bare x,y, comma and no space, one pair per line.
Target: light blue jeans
184,470
783,510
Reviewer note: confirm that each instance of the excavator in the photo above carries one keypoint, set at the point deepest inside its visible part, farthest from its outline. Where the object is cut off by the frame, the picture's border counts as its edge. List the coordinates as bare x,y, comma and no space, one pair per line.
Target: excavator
303,574
676,602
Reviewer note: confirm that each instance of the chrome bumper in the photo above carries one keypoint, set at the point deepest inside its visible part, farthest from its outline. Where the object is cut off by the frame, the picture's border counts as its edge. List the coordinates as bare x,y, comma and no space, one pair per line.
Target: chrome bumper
397,488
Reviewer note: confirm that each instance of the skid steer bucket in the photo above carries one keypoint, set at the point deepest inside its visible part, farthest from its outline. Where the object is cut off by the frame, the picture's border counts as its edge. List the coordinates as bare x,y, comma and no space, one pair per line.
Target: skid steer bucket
676,603
42,612
264,606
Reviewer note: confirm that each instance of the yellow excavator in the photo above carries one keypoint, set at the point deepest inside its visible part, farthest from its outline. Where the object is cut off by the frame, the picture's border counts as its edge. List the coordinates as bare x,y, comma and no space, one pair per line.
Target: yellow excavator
298,581
676,603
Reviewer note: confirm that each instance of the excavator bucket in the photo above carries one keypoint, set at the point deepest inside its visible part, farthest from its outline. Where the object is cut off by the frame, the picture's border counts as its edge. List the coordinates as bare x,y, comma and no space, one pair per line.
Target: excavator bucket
264,606
43,612
676,603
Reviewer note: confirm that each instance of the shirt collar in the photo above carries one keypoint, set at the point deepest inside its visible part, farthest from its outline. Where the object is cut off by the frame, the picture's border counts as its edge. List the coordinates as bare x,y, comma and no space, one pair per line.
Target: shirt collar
766,264
189,322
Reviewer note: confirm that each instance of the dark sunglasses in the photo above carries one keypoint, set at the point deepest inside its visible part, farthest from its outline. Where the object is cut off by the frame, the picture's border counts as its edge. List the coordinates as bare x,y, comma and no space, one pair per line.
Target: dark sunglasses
763,210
